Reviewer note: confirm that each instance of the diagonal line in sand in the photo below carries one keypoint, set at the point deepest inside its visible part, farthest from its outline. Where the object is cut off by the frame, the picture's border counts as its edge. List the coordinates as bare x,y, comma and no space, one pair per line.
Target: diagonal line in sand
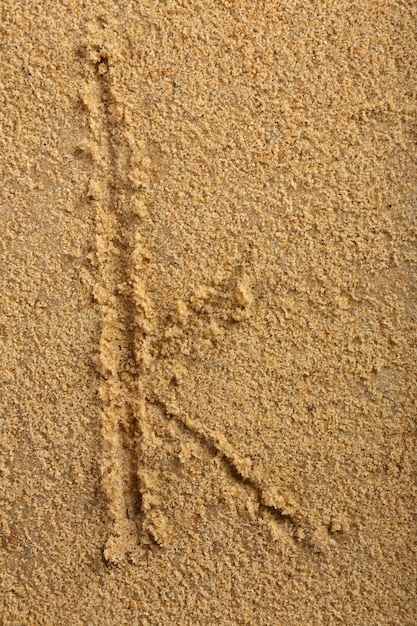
240,469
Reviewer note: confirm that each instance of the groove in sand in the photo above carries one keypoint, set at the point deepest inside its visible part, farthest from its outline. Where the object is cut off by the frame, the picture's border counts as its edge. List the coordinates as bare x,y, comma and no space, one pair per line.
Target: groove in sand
110,196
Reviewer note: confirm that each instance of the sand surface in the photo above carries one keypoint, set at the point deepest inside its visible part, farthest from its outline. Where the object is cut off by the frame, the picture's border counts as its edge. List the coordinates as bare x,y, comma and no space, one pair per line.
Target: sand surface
208,313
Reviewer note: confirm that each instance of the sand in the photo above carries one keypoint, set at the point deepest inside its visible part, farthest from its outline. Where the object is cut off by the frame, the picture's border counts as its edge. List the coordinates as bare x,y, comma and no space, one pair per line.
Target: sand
208,410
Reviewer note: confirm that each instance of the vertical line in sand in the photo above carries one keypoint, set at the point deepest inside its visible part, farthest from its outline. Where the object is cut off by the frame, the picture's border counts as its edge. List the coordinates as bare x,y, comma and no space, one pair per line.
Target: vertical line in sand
114,219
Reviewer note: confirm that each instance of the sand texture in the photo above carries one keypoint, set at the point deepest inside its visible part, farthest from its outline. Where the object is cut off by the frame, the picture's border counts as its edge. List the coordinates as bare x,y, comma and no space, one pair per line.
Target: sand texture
208,313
